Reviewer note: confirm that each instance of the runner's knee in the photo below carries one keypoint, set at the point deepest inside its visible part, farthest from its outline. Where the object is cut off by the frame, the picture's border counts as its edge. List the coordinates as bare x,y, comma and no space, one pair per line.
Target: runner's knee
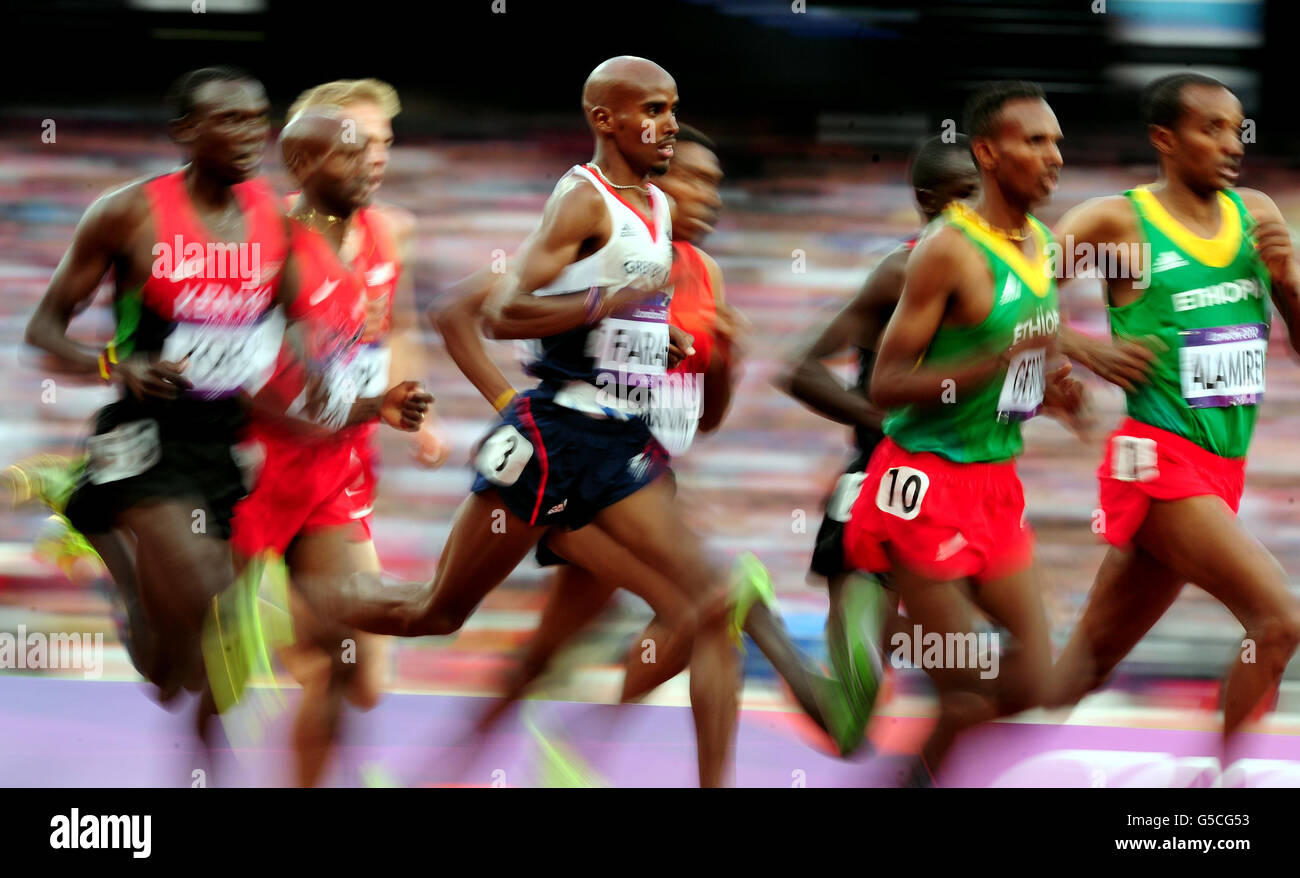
1276,638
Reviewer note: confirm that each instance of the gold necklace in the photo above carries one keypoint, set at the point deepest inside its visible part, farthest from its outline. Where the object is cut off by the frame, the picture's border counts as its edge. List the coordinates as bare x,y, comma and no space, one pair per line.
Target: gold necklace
642,188
1018,235
311,217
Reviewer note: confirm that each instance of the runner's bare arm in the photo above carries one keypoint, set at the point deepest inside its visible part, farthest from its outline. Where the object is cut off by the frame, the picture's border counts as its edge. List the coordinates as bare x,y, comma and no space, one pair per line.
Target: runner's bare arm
572,217
935,272
1273,240
407,352
723,370
459,322
1096,222
100,239
859,324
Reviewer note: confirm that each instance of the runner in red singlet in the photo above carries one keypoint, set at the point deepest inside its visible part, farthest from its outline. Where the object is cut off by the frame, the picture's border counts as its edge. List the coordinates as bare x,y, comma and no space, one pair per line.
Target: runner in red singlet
196,258
304,505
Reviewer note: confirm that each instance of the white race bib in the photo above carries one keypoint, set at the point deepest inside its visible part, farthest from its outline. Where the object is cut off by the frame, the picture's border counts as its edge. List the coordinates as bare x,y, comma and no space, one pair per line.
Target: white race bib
340,389
633,340
1133,459
369,369
1224,365
676,403
847,489
226,359
503,456
1022,391
901,491
125,451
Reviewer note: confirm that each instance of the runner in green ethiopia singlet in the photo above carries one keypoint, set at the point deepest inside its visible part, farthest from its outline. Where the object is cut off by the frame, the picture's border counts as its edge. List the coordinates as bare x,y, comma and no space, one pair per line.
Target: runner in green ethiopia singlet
983,425
1208,311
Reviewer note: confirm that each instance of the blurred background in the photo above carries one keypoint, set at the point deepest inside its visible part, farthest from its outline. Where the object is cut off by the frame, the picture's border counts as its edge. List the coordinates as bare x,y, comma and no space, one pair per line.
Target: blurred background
813,106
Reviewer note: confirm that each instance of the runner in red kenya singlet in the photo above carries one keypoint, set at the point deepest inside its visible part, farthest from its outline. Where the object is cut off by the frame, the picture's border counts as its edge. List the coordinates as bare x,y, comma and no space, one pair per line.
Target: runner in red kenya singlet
196,258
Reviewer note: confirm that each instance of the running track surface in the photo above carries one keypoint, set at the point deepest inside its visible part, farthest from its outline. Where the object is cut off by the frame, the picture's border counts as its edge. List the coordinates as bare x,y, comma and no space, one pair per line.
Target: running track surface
751,486
93,733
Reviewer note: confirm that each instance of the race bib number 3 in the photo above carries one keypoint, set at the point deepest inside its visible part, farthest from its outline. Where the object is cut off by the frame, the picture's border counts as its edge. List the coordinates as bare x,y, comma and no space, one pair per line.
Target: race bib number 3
503,456
1022,391
901,492
126,451
1223,366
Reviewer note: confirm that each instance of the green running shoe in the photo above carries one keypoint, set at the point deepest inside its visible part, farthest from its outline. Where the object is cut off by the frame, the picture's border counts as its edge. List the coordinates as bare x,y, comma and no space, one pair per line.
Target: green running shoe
375,776
559,765
239,635
43,478
61,544
49,479
851,640
750,582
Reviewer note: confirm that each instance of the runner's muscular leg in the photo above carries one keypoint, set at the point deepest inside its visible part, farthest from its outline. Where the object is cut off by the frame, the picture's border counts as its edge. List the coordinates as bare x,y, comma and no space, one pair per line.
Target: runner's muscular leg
1201,540
1132,591
329,660
647,524
964,699
118,557
486,543
179,573
577,599
1024,673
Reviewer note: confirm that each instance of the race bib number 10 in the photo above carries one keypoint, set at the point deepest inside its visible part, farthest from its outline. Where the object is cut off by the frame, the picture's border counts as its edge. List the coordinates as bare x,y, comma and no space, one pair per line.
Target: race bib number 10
901,492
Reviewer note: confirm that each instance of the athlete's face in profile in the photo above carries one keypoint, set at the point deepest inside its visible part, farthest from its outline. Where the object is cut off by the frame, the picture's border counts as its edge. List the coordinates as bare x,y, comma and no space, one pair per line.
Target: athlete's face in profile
379,128
1024,153
340,179
227,129
692,181
645,126
1205,145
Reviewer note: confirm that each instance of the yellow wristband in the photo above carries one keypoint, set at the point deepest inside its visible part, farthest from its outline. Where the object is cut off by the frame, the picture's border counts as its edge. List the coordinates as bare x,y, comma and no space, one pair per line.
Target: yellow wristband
504,399
103,367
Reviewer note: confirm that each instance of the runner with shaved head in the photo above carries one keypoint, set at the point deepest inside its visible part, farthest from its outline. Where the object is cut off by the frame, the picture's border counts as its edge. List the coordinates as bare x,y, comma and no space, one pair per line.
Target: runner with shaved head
591,286
301,508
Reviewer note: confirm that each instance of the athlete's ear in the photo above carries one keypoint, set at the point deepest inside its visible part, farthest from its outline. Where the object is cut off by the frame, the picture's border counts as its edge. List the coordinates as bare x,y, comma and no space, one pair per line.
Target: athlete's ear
602,119
297,161
1162,138
986,156
182,130
927,201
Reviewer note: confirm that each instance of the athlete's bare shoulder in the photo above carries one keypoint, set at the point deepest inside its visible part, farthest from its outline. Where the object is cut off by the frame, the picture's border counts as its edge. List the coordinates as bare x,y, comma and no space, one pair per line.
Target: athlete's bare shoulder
575,211
576,189
1259,204
894,264
941,246
112,222
1104,220
123,207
